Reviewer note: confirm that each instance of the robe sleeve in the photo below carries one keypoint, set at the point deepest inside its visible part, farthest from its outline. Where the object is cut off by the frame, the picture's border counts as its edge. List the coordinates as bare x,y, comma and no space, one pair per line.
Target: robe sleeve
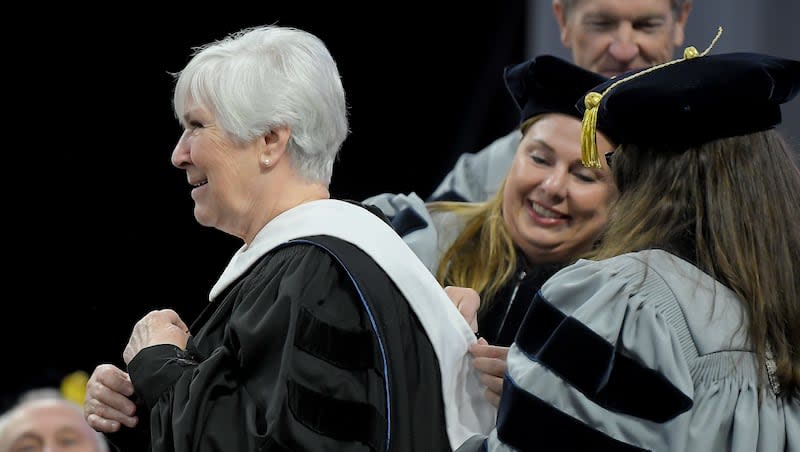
410,218
607,358
279,366
477,176
593,367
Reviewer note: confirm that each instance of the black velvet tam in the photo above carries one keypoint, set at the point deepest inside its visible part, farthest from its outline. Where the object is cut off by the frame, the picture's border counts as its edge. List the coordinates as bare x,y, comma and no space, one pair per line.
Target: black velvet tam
548,84
694,101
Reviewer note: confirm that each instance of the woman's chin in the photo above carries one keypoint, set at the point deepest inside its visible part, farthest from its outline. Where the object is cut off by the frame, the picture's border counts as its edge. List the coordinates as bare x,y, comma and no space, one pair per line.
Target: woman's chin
202,217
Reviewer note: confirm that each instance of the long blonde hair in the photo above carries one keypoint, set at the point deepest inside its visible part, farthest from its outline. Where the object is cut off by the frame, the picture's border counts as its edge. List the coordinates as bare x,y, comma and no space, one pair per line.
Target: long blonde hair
483,256
731,206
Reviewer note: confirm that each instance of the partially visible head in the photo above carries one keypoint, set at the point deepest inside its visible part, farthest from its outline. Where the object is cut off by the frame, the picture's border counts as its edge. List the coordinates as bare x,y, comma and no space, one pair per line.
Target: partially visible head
689,134
702,173
615,36
44,421
261,78
549,207
554,208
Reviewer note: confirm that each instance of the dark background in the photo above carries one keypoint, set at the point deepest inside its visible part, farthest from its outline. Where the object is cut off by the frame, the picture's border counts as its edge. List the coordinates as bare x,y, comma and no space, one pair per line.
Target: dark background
99,225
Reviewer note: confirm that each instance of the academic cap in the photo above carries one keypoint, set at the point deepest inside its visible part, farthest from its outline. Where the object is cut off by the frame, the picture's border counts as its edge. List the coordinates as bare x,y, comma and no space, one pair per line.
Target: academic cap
548,84
690,101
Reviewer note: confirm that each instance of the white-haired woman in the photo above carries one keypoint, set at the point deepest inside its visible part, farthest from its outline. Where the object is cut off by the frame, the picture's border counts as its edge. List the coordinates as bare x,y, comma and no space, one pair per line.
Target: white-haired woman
324,332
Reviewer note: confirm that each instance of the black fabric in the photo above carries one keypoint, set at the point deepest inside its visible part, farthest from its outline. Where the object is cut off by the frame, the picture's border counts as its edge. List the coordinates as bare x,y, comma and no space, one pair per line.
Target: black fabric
500,323
412,360
449,195
229,389
694,101
548,84
595,367
528,423
342,348
407,221
372,209
273,446
153,359
341,419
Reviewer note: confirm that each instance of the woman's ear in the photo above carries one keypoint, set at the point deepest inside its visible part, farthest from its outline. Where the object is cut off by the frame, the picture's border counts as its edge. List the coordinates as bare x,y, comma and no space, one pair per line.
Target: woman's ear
275,143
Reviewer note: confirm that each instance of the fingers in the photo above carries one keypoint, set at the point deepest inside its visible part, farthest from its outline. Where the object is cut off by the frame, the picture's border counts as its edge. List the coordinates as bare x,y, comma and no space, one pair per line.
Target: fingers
492,397
102,425
491,370
106,406
494,387
105,419
173,318
488,351
157,327
113,378
491,366
467,301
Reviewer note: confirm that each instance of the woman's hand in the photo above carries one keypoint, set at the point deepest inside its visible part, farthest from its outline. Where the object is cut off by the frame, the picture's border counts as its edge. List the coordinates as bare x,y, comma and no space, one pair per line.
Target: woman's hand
490,362
157,327
107,405
467,301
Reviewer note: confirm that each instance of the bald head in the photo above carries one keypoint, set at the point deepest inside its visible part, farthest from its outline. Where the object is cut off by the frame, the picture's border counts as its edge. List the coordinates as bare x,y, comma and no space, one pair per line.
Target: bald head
48,422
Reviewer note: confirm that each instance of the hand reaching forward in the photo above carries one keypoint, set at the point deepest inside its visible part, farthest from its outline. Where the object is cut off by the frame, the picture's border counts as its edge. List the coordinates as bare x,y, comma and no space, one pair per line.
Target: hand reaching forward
157,327
107,405
467,301
490,362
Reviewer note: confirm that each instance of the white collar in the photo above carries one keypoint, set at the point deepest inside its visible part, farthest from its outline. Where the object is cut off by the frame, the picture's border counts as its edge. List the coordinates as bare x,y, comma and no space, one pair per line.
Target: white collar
466,411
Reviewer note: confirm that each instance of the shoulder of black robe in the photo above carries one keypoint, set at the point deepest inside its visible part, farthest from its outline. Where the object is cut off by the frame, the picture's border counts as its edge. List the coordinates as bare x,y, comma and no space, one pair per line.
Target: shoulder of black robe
297,306
374,209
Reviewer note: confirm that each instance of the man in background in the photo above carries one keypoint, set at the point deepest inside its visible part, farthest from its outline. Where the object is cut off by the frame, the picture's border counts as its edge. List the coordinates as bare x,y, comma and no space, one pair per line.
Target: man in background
605,36
43,420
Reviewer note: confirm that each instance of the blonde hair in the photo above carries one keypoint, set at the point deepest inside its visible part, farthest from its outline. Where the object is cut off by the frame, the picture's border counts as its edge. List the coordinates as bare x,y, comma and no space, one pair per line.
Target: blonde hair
483,255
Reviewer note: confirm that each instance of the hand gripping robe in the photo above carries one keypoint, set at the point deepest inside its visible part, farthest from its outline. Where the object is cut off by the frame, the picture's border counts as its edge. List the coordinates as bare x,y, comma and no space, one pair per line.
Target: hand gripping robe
326,333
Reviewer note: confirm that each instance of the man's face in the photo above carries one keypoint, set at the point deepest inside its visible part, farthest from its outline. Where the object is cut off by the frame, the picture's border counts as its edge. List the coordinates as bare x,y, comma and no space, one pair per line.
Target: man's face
48,425
615,36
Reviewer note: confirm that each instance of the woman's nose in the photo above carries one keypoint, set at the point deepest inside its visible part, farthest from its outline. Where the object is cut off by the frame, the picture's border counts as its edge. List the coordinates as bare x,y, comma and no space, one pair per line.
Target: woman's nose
180,155
555,184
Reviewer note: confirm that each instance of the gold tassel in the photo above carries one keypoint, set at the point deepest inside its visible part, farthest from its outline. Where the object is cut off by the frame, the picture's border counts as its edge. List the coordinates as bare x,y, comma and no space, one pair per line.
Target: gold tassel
589,155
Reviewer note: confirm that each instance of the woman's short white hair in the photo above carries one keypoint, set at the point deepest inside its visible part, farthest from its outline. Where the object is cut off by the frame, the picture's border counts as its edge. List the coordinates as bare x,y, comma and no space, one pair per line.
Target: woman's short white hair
270,76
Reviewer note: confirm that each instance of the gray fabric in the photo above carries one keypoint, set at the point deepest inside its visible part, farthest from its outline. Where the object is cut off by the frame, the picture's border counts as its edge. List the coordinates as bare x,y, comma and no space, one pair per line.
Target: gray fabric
474,444
431,242
477,176
675,319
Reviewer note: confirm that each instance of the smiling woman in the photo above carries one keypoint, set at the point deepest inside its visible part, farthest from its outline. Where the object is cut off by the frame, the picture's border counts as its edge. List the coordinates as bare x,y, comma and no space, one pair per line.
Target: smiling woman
112,197
549,210
312,318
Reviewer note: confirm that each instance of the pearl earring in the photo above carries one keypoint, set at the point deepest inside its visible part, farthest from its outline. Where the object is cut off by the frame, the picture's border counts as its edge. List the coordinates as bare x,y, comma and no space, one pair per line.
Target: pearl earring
267,162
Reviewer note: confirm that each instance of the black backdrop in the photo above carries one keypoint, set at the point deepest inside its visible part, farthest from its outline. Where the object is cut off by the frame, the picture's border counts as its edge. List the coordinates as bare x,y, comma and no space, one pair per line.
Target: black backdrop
99,225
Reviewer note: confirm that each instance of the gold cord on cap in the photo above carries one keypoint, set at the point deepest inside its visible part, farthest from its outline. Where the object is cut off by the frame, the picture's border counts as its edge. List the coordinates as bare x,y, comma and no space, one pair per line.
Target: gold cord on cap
589,155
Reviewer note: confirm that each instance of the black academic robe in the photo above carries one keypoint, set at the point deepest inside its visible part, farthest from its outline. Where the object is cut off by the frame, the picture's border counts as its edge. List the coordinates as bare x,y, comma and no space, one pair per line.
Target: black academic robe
339,341
287,359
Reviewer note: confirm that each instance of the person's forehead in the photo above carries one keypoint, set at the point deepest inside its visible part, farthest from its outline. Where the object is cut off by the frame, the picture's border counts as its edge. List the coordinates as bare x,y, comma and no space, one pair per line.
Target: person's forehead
622,7
48,415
